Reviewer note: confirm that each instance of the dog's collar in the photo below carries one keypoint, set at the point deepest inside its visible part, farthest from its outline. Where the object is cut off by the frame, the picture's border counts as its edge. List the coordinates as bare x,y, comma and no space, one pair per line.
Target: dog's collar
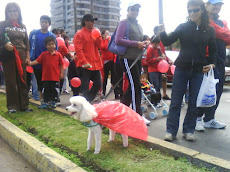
90,123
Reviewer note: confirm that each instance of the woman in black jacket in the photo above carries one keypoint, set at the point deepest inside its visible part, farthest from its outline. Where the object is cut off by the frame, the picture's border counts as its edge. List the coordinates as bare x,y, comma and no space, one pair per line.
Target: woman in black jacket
195,37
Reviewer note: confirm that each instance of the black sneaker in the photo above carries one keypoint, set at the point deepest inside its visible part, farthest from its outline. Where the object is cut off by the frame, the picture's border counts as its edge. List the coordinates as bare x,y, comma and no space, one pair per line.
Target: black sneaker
28,110
12,111
166,97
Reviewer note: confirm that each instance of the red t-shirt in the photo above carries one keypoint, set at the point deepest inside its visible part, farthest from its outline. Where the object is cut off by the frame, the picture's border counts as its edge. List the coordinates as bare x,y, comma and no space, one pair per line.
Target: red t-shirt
50,65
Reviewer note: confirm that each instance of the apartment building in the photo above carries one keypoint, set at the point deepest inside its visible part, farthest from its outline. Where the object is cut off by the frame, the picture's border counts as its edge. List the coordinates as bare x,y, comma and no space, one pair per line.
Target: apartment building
67,14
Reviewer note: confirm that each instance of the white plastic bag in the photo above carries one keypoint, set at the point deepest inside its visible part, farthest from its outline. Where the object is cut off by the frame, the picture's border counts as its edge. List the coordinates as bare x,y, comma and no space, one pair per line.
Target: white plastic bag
207,94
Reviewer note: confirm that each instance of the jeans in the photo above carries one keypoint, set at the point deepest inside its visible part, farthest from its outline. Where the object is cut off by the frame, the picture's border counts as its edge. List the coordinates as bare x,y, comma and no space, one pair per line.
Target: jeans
155,79
65,78
180,80
34,87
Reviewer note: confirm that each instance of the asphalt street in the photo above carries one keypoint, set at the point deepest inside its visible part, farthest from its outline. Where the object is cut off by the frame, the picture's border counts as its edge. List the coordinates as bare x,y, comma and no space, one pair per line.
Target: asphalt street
212,141
11,161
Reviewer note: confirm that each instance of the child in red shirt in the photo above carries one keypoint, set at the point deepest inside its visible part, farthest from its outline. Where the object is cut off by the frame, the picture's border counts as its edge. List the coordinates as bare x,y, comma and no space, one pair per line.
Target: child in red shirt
52,72
154,55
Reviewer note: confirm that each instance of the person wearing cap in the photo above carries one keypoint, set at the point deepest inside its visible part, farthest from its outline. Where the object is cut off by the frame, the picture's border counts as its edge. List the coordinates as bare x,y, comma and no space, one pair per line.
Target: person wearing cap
88,61
135,45
195,36
222,39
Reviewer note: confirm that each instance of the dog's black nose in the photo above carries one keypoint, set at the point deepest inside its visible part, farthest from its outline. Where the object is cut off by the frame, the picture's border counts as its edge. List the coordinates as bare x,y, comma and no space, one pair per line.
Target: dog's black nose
66,108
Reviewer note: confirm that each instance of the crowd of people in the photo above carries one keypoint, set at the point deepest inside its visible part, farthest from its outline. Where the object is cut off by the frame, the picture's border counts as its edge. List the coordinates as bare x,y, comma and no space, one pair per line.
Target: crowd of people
203,39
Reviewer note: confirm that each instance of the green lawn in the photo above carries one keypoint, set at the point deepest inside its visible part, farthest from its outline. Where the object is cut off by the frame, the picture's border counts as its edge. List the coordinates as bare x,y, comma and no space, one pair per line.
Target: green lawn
68,137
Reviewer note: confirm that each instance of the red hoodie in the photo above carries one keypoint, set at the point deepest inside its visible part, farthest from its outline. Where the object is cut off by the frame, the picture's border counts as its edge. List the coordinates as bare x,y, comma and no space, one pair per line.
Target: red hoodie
105,53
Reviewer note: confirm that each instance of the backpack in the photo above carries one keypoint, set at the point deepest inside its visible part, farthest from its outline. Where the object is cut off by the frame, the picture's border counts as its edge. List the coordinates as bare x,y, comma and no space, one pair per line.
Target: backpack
117,49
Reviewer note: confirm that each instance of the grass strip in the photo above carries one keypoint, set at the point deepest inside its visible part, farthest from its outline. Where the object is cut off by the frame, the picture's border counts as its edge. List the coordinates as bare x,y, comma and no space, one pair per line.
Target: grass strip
69,137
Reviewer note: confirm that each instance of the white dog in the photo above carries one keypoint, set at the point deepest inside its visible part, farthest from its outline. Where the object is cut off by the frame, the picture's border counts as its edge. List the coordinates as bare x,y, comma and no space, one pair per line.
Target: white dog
83,111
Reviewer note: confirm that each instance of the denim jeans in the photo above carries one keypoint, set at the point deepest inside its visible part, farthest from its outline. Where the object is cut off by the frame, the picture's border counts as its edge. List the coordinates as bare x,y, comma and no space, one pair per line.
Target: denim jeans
34,87
180,80
155,79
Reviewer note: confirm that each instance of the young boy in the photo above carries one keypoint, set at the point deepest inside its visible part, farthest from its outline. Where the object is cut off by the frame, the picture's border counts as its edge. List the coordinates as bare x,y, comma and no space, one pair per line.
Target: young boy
37,47
146,87
52,72
154,55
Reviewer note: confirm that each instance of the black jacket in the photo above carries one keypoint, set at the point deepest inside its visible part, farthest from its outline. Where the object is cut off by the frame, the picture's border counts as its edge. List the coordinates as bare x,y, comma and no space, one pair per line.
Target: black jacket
194,42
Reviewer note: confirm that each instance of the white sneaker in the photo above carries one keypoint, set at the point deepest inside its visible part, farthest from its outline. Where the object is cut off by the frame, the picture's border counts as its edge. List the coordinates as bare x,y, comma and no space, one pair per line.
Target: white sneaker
146,121
189,136
199,124
168,137
214,124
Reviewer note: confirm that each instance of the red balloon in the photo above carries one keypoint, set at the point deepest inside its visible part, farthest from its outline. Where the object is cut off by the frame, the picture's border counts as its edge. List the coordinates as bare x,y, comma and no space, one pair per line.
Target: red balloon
29,69
75,82
96,33
71,48
172,68
60,41
66,63
163,66
90,84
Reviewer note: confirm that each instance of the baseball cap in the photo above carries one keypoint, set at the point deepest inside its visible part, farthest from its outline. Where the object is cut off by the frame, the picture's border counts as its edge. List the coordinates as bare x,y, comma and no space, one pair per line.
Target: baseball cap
132,3
89,17
215,1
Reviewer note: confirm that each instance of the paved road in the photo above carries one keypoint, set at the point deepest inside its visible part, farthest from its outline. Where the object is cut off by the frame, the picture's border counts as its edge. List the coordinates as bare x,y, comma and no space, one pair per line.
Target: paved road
11,161
212,142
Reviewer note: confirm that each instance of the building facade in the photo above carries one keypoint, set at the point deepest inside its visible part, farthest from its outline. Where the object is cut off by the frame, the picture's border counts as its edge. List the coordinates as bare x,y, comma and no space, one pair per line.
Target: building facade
67,14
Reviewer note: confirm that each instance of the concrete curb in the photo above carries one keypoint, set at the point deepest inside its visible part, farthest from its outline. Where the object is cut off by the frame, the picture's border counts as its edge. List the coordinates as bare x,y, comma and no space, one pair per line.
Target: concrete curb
47,160
35,152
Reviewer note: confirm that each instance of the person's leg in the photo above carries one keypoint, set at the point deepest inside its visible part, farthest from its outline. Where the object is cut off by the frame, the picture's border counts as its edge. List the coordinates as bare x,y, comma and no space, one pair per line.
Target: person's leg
105,78
34,87
28,80
209,118
133,93
22,90
38,75
10,82
179,85
154,79
164,87
192,111
64,90
95,76
118,74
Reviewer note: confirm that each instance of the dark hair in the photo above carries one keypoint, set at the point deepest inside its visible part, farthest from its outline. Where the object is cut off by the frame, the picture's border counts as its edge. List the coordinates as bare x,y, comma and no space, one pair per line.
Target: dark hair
103,32
45,17
10,5
145,37
62,30
55,30
204,16
65,36
144,75
155,39
49,39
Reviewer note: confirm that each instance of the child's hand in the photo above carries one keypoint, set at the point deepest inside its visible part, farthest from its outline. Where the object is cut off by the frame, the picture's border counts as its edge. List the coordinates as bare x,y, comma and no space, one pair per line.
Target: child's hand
161,58
61,75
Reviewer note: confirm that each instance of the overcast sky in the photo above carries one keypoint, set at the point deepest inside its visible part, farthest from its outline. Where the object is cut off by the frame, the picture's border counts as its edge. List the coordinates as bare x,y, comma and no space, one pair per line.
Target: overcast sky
175,12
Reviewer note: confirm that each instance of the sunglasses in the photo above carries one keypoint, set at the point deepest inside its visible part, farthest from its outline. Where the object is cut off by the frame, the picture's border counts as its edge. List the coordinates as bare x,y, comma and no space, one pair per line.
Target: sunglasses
194,10
134,9
12,11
